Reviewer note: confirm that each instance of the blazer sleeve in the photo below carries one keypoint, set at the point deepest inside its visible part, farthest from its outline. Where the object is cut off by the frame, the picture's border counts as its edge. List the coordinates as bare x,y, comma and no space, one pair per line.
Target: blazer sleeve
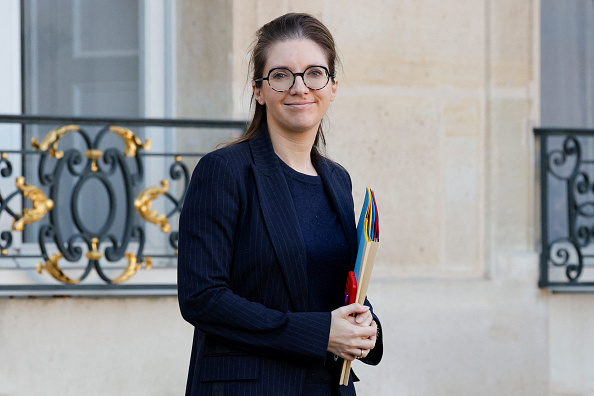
375,355
207,225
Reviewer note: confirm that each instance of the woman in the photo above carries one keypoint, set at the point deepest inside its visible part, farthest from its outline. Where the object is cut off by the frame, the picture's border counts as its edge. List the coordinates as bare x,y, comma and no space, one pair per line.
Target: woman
267,237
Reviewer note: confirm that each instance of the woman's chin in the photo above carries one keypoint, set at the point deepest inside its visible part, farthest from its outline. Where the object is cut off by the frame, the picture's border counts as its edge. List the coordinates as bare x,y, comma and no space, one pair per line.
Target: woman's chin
304,125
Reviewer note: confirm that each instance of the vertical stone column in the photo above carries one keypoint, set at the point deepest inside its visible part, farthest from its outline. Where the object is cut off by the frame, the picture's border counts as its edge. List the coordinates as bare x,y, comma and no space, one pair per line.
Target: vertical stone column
204,66
512,109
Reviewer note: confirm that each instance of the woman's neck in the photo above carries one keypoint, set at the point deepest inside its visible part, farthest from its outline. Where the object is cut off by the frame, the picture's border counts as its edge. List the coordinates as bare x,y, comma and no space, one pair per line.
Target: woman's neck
295,150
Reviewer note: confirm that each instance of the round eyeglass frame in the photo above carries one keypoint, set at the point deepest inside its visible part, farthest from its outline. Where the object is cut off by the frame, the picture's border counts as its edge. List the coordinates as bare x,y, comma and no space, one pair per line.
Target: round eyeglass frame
302,74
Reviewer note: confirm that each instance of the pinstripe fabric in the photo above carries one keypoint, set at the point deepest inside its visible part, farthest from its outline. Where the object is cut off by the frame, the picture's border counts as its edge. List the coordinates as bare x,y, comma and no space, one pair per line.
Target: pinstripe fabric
242,278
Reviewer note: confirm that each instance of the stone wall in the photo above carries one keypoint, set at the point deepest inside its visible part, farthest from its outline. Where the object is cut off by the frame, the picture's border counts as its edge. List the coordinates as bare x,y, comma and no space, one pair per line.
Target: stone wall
435,110
73,347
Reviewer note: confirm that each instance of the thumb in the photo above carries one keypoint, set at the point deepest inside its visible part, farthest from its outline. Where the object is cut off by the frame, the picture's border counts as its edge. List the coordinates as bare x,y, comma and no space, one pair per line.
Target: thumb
355,308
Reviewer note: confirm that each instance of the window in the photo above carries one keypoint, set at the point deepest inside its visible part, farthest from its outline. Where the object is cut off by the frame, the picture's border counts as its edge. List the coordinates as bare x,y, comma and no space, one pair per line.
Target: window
85,58
566,142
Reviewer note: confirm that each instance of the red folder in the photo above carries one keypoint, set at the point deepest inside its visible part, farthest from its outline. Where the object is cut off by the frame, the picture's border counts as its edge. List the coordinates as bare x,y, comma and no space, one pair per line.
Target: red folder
350,293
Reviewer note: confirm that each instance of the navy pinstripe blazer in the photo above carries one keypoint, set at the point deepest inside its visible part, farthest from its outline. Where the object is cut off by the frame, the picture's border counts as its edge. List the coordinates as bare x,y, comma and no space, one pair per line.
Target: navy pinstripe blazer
242,278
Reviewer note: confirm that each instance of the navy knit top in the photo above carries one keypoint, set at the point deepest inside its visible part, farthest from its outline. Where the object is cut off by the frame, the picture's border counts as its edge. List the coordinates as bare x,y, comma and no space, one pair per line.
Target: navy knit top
328,256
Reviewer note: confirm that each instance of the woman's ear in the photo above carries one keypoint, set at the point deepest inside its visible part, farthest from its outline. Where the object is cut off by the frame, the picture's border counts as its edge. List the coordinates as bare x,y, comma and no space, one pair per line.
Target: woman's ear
333,91
258,94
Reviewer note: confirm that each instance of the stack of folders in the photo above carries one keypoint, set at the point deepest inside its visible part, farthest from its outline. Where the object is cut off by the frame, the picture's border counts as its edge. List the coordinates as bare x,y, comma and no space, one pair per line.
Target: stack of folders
358,280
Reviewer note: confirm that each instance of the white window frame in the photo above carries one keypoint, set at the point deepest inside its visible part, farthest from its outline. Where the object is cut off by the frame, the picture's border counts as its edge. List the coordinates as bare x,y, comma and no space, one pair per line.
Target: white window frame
158,76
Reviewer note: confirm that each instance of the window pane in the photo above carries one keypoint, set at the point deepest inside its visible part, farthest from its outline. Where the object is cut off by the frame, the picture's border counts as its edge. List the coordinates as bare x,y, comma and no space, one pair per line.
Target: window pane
567,63
81,58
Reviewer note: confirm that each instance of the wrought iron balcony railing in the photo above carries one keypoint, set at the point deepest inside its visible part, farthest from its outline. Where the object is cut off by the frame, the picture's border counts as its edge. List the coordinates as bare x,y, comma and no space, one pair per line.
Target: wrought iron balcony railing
88,205
567,209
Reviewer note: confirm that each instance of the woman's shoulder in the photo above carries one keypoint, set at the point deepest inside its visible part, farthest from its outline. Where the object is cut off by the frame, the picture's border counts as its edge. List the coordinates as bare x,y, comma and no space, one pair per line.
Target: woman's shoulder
333,166
234,156
338,172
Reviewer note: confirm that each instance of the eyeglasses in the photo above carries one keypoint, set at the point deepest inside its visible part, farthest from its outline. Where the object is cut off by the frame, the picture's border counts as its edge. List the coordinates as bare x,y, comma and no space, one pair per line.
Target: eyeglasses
282,79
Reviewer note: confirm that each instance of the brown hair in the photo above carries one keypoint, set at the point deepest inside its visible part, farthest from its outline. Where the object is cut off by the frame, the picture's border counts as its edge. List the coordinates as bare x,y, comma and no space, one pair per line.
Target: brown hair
290,26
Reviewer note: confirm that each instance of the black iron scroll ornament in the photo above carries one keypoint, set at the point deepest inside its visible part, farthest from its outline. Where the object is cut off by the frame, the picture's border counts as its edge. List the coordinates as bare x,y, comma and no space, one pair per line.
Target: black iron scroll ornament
567,183
564,164
107,244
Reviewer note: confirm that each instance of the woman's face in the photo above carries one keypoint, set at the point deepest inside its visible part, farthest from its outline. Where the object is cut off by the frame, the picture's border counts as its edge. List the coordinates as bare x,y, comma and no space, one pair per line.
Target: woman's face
300,109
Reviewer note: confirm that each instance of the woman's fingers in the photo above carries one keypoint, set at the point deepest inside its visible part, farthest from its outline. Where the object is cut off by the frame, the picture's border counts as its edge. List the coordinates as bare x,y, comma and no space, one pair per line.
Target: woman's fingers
364,317
358,354
349,357
366,343
348,339
373,325
353,309
360,319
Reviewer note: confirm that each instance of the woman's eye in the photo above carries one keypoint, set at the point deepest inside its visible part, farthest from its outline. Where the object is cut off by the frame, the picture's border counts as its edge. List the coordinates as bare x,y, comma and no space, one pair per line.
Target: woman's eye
279,76
315,73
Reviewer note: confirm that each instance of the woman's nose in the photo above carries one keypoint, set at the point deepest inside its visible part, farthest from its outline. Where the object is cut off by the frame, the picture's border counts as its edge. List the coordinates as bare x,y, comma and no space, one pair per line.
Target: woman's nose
299,85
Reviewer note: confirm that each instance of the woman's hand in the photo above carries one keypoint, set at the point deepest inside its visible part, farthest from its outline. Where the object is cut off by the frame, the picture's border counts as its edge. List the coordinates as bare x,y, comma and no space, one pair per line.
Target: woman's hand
362,319
365,319
350,337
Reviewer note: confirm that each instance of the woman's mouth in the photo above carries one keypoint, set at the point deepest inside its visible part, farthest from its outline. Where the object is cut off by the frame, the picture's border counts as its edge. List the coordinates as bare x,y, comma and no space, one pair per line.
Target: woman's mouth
299,105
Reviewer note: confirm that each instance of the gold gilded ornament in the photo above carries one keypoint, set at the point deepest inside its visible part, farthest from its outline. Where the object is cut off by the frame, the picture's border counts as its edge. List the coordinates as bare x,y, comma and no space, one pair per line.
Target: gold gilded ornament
52,267
94,155
132,141
132,267
51,140
143,204
41,204
94,254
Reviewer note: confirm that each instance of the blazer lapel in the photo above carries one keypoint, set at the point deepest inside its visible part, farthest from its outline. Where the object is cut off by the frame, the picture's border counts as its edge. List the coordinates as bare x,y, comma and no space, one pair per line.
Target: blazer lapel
341,199
280,219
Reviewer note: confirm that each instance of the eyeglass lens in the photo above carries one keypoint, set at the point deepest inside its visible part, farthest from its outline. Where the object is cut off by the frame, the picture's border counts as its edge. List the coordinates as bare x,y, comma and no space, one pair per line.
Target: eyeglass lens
314,77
